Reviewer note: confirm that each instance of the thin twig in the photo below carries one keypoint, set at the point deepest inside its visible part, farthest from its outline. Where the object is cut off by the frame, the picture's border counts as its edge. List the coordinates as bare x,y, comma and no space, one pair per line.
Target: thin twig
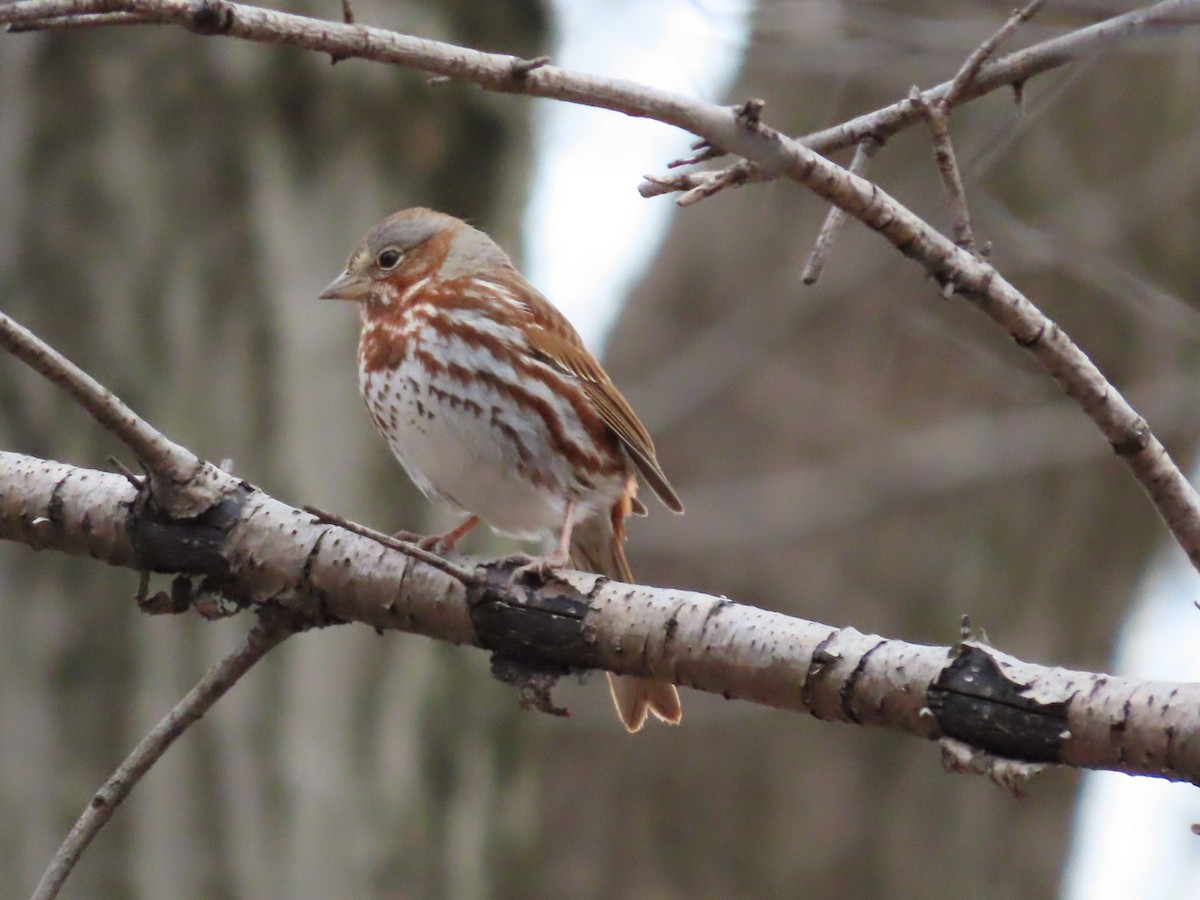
867,148
82,21
408,548
704,151
947,164
266,634
176,470
494,71
1012,70
975,61
697,186
937,113
131,476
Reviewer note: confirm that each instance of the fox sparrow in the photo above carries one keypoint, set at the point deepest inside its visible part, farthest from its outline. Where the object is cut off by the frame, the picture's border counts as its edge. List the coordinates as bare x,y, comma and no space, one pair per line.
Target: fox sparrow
494,407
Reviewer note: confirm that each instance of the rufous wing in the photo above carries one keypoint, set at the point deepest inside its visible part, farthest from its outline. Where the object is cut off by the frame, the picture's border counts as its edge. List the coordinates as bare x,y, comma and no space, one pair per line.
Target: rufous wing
557,343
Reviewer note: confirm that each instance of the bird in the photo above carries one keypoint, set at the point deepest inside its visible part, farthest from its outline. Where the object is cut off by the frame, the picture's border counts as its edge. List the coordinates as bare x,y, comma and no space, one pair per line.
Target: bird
495,408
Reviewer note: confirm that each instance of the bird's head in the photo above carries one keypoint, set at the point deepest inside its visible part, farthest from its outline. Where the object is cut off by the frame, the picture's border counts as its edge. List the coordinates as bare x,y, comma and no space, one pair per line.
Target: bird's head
410,246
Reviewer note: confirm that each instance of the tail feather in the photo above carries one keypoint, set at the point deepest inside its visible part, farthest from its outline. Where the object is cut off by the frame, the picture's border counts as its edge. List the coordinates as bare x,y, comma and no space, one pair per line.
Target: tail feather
596,547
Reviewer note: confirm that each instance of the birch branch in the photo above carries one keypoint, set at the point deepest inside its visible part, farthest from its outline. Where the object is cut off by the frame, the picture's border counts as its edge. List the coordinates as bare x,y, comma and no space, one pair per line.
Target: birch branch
265,554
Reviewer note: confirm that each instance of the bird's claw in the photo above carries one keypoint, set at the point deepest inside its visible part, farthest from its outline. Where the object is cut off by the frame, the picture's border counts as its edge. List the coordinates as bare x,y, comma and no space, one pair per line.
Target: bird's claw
536,568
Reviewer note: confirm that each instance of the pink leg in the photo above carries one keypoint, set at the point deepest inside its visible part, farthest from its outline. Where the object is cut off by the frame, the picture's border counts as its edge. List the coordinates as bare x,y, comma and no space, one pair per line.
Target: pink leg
444,543
561,556
562,553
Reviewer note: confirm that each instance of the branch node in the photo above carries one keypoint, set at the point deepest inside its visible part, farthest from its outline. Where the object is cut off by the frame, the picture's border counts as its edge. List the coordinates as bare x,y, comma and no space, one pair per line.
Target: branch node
973,63
347,19
749,114
520,68
211,17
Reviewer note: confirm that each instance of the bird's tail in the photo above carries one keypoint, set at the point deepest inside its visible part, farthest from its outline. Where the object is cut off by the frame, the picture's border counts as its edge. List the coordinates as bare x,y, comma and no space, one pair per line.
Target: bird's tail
596,547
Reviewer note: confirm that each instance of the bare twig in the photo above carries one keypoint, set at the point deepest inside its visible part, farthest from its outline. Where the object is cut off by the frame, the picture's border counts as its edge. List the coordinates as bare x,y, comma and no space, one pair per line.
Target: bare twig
1012,70
696,186
937,113
1018,68
836,218
81,21
947,164
187,485
980,55
268,633
131,476
139,436
704,151
494,71
408,548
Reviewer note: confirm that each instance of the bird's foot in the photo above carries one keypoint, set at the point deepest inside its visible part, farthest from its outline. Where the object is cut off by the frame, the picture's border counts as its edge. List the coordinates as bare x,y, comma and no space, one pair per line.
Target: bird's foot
538,568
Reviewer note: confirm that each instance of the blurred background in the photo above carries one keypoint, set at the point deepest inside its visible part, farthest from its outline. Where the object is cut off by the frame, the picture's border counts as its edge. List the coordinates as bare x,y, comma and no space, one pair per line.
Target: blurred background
859,452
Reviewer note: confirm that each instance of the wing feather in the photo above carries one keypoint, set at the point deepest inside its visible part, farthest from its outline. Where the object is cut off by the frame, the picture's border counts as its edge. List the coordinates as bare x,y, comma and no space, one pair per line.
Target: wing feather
558,344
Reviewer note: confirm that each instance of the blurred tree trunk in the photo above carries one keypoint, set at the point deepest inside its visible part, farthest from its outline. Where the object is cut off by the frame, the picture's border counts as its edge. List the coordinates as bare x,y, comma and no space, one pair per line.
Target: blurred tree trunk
791,419
169,209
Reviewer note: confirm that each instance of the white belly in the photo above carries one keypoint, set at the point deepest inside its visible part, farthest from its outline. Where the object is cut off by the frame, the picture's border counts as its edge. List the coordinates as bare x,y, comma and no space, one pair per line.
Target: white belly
478,454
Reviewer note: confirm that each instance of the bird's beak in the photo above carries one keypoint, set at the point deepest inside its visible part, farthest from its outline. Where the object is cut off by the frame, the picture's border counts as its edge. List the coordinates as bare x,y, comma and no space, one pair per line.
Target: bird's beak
346,287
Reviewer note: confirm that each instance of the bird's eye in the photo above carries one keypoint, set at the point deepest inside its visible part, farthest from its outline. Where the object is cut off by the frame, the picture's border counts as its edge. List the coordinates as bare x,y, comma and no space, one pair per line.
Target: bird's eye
388,258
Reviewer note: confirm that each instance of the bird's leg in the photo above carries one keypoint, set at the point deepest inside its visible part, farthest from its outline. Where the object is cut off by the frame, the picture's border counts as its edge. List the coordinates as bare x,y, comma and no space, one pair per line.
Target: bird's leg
561,556
441,544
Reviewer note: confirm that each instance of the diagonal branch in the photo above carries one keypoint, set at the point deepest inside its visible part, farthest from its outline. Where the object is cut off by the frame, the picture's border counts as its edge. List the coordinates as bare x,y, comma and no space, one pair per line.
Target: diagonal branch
494,71
184,484
267,634
1012,70
937,114
1017,68
981,54
947,164
836,217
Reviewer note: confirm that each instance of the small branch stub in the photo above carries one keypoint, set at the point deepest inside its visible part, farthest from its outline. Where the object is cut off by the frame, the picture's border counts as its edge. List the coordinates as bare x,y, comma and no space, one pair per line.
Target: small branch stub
749,114
520,68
